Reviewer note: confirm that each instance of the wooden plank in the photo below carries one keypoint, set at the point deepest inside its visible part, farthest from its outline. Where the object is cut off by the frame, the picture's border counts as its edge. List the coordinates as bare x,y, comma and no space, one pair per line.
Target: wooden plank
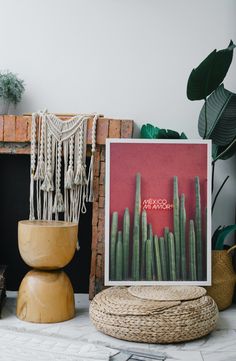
9,128
1,128
21,129
127,127
114,128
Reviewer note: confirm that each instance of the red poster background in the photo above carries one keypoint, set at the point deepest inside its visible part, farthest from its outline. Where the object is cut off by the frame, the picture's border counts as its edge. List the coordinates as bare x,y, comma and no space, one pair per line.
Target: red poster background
158,164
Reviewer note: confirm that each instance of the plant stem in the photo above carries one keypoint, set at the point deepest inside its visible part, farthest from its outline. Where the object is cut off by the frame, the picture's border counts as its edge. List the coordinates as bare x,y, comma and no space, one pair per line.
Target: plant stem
217,194
205,108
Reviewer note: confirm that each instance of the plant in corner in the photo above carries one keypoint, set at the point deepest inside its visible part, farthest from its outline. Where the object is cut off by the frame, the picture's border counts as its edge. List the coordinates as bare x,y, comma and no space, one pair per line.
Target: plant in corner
11,90
217,119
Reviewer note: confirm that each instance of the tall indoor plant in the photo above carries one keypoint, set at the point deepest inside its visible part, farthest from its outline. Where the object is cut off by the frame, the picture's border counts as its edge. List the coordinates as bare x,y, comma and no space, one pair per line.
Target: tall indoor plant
217,121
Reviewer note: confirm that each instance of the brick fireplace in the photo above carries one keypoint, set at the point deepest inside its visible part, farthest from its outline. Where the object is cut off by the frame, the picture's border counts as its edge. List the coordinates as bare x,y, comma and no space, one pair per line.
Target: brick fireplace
15,134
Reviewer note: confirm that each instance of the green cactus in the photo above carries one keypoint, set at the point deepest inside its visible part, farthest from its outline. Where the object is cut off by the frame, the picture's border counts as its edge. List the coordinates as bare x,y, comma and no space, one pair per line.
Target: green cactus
136,231
171,247
158,258
113,238
148,260
183,237
192,252
166,232
126,238
150,236
176,226
198,223
163,258
119,257
144,240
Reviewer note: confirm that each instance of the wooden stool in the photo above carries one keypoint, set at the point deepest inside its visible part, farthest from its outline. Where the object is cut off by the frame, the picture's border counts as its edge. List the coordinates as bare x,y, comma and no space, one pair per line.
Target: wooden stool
46,294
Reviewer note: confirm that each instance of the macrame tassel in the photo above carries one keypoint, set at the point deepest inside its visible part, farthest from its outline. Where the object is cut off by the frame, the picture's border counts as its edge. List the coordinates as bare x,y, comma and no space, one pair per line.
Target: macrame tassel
47,185
89,190
58,205
80,177
31,216
40,170
69,178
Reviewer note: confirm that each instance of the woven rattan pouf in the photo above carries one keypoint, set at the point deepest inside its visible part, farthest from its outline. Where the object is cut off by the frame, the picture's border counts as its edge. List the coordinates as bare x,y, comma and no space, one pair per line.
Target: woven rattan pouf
154,314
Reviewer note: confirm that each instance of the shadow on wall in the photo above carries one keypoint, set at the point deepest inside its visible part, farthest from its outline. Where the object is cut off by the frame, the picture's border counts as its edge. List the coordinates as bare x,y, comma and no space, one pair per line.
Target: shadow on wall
14,206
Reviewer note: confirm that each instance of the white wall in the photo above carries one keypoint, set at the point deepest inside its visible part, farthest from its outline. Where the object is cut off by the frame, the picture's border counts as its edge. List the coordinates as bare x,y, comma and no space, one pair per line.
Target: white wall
123,58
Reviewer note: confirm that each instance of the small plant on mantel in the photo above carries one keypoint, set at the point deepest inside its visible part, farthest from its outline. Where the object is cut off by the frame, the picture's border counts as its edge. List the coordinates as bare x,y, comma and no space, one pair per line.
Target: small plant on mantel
11,90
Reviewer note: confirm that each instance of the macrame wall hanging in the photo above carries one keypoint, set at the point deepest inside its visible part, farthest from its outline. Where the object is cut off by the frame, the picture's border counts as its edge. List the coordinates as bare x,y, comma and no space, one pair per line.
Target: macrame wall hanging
59,180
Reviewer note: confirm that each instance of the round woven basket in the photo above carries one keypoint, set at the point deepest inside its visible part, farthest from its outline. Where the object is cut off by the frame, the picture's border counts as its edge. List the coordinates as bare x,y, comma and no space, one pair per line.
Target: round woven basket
116,312
223,279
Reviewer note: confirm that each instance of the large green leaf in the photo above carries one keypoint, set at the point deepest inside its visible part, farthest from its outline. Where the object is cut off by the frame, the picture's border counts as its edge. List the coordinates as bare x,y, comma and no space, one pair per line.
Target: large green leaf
210,73
223,152
222,234
148,131
220,112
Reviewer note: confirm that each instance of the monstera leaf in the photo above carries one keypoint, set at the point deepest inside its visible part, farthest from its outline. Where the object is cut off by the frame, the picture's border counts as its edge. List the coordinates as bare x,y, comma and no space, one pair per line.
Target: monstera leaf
220,236
148,131
219,111
210,73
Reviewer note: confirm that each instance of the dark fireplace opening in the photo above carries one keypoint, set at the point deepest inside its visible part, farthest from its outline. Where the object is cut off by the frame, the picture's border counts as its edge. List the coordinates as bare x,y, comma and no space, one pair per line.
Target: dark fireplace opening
14,206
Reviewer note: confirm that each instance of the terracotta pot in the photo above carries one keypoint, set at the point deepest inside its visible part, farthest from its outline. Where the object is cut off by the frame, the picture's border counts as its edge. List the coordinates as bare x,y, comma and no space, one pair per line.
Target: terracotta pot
223,279
47,245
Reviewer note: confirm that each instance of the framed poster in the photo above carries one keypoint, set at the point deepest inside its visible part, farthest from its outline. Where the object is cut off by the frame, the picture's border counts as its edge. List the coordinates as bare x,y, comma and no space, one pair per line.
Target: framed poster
157,212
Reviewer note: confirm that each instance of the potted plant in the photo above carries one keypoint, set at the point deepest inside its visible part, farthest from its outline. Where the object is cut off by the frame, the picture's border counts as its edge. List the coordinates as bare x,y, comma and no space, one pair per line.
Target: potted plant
217,121
11,89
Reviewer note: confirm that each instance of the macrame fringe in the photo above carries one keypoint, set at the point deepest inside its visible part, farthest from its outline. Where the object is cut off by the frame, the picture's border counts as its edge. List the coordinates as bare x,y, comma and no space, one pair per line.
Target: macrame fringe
60,145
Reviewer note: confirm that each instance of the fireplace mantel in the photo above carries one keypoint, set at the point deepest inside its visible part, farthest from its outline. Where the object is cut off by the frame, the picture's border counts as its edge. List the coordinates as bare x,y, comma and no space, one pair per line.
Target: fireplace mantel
15,136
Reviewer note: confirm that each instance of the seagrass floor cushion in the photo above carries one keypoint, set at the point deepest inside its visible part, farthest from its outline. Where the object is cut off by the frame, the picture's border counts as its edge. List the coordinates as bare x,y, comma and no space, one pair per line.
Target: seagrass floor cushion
154,314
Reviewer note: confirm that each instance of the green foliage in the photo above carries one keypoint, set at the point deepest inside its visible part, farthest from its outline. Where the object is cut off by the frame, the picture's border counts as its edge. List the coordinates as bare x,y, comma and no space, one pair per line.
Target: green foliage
148,131
220,235
11,87
210,73
218,112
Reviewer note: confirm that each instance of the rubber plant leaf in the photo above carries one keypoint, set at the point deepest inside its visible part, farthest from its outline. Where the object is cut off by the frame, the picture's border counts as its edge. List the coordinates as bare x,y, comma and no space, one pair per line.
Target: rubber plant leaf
148,131
220,112
226,154
210,73
222,234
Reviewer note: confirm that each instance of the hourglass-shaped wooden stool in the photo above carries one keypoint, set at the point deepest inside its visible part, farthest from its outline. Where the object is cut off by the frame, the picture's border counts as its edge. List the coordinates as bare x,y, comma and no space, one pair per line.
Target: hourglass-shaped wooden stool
46,294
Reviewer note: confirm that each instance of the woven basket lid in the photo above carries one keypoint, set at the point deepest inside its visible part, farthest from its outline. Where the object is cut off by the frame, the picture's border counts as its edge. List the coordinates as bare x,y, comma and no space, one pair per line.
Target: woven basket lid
167,293
118,301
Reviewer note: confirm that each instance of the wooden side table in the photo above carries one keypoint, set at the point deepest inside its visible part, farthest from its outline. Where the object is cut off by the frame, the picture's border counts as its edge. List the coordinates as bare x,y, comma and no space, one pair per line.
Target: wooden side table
46,294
